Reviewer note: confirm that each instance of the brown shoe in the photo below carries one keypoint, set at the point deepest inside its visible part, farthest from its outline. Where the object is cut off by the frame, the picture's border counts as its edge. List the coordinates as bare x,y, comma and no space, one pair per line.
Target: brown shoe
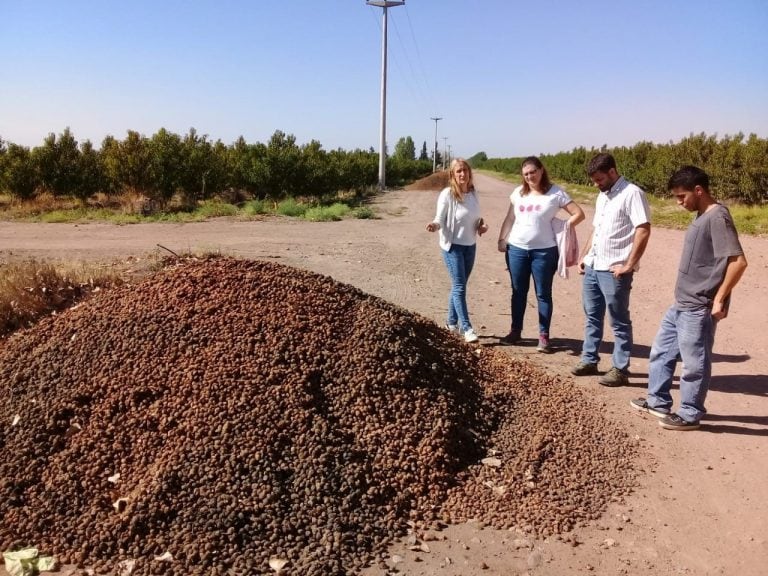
584,369
613,378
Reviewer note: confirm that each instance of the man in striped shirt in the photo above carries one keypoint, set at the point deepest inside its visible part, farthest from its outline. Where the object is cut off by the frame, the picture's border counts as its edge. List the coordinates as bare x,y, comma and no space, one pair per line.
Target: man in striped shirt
621,228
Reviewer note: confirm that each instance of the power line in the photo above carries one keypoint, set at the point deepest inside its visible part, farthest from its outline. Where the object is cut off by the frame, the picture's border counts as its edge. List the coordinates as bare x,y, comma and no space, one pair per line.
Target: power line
419,59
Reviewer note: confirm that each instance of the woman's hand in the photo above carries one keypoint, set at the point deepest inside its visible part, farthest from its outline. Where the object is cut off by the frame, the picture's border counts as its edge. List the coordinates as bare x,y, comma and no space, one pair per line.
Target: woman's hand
482,227
502,245
433,226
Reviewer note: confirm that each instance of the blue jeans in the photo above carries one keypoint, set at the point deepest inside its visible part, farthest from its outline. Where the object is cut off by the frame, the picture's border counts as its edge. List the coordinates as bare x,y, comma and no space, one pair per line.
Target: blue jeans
601,291
459,260
542,264
688,335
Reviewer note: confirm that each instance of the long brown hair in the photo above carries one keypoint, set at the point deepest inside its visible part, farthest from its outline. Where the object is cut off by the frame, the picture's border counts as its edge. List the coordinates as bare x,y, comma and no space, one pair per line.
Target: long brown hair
545,184
455,188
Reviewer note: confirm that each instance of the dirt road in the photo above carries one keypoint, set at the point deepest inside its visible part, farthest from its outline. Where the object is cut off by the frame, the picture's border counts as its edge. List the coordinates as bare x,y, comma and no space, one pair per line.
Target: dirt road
702,507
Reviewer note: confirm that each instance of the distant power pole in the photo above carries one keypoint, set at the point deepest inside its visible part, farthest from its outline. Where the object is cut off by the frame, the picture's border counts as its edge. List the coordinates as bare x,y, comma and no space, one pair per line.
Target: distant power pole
449,155
445,149
434,158
383,4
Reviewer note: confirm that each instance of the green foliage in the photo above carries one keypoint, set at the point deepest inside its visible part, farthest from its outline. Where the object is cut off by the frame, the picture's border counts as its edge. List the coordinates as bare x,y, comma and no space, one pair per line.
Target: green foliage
203,170
424,155
90,172
165,163
364,213
477,159
405,149
215,209
336,211
57,163
128,163
192,168
255,208
738,168
400,171
291,207
18,174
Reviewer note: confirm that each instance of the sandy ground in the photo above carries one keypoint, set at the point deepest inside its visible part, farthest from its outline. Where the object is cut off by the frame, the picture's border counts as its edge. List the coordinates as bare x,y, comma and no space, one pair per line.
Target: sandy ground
702,506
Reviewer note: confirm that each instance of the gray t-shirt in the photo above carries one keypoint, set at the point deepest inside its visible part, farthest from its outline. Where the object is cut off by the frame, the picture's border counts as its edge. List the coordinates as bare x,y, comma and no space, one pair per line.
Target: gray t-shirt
710,240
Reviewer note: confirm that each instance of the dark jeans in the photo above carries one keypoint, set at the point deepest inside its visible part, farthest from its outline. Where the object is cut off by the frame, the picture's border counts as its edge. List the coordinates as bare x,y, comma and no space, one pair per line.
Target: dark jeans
542,265
459,260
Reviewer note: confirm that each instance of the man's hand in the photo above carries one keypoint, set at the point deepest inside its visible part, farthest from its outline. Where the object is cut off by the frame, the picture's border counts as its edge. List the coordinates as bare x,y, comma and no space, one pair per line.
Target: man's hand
719,311
620,269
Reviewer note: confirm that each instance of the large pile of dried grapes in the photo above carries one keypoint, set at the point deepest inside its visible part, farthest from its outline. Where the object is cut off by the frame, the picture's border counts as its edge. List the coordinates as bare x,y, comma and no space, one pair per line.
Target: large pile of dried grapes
224,413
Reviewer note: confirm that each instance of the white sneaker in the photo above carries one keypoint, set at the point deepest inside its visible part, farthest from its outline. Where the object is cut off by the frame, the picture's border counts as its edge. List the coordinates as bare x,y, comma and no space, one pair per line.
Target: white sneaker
470,336
452,328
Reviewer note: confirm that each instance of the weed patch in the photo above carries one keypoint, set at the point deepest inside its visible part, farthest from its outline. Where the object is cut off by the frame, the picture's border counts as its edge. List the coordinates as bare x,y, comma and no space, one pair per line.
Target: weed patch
330,213
291,207
30,290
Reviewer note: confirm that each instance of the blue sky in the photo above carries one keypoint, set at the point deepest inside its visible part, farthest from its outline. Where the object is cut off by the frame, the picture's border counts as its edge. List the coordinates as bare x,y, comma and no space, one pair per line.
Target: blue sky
510,78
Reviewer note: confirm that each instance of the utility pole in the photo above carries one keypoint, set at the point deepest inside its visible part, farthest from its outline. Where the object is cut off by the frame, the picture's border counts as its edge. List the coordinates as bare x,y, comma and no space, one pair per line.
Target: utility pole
383,4
434,158
445,149
449,155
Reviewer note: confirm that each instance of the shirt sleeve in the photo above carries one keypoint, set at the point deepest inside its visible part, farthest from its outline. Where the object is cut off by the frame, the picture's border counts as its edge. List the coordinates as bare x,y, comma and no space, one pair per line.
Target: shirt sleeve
725,239
563,199
441,214
637,207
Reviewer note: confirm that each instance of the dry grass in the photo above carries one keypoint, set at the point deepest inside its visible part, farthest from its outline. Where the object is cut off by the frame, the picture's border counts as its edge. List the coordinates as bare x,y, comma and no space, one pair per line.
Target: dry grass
31,289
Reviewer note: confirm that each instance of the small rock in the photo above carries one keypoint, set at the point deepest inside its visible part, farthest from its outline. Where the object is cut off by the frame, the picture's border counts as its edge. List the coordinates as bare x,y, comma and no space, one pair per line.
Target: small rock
521,543
534,560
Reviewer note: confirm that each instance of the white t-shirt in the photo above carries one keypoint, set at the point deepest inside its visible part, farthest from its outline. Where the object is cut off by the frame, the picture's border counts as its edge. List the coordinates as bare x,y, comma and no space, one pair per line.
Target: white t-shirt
534,212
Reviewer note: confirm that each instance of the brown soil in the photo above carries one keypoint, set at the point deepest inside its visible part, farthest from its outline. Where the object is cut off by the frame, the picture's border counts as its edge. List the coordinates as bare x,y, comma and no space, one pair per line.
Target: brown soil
436,181
702,503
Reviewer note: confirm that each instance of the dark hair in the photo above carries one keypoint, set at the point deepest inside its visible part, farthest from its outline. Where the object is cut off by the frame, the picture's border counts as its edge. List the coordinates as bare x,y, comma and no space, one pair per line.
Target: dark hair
687,178
603,162
545,183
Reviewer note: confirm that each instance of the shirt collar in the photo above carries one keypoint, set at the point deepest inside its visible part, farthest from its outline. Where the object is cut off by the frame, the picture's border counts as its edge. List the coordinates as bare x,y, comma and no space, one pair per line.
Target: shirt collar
617,187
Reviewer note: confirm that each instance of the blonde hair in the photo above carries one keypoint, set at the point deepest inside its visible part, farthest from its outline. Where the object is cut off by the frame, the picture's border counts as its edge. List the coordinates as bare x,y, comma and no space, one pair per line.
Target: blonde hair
456,192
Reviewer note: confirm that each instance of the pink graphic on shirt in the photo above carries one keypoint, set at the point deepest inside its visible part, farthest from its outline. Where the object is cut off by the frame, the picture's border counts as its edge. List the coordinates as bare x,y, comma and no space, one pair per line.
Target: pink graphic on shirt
530,208
538,207
522,208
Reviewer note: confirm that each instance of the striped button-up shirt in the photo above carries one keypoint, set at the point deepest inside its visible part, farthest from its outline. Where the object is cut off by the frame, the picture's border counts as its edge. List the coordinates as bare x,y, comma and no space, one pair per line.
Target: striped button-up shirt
617,213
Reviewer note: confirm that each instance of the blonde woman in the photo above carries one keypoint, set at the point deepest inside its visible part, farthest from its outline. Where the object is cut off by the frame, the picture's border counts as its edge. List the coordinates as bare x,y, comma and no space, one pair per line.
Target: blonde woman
459,222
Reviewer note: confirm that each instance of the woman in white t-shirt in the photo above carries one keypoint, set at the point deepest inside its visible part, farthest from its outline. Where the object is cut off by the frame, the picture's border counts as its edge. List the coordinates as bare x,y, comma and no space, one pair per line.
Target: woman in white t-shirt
528,239
459,222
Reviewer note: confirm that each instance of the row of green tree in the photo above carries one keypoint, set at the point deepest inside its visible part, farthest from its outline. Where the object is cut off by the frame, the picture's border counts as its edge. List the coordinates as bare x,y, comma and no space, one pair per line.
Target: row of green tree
195,167
737,165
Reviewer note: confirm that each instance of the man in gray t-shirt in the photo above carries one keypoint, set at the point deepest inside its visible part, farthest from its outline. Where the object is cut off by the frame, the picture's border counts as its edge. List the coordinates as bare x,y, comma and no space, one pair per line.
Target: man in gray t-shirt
711,265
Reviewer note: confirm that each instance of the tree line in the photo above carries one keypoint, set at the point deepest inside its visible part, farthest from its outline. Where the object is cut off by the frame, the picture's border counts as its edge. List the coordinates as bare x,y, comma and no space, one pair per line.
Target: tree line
737,165
195,167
